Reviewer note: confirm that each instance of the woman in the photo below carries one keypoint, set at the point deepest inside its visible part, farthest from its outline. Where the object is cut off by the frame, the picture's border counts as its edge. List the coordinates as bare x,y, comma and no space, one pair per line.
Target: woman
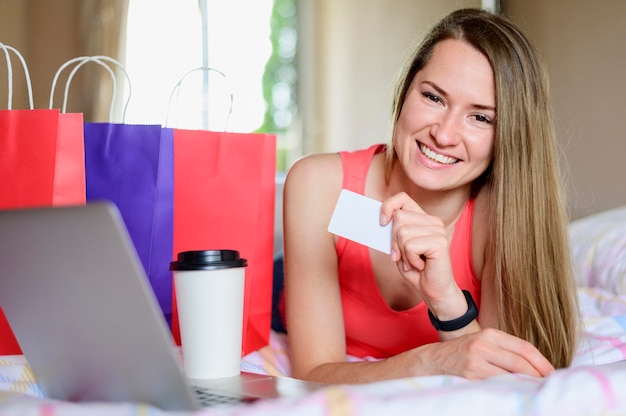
471,185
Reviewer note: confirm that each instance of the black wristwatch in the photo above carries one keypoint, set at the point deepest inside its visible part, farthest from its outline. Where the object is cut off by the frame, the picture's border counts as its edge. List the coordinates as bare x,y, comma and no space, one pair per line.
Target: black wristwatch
460,322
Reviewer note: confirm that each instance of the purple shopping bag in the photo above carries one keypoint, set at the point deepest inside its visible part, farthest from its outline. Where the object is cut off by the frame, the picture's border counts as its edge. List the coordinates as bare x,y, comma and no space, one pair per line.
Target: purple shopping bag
132,166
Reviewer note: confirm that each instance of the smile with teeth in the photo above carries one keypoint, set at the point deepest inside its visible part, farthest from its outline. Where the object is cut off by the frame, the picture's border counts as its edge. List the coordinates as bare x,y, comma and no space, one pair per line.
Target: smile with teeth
429,153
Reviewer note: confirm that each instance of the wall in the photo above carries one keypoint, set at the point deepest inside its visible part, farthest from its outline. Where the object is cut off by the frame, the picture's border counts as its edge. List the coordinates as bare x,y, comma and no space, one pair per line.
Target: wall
352,51
360,45
45,34
13,18
49,33
584,46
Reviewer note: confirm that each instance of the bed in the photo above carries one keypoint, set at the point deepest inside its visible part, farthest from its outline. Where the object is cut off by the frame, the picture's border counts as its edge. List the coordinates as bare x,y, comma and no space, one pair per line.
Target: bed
594,384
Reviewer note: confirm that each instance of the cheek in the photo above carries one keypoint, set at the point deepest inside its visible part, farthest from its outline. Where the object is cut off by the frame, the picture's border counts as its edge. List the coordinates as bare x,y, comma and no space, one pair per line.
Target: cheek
409,124
397,142
485,151
480,148
400,134
413,116
403,140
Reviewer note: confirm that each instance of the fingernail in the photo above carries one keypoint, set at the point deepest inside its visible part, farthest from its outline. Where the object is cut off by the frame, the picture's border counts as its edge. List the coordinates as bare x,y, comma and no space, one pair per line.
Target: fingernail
383,219
394,255
405,266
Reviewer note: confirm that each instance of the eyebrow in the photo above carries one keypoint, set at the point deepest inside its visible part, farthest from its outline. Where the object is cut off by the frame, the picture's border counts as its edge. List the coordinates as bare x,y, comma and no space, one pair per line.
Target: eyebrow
443,93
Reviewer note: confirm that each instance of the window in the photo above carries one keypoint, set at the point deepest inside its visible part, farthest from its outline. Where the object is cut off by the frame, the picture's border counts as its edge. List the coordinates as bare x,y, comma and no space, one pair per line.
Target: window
251,42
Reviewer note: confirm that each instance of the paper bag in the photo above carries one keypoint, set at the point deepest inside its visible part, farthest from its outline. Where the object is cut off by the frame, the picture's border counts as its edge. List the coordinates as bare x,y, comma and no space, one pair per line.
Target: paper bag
224,185
131,165
41,164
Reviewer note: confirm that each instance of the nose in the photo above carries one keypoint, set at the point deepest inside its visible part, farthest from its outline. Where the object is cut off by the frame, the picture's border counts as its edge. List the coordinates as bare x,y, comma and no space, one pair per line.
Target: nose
447,130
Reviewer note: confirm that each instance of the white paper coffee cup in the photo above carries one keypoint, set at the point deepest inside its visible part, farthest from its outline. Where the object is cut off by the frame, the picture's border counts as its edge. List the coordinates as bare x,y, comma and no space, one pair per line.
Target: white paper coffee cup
209,296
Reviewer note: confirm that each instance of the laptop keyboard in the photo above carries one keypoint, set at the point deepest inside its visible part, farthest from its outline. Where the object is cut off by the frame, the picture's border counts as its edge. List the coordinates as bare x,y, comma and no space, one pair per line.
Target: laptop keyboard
210,398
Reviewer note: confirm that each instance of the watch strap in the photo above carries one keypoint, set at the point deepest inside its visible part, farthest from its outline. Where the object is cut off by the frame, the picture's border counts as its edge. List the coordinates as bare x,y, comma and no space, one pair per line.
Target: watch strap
460,322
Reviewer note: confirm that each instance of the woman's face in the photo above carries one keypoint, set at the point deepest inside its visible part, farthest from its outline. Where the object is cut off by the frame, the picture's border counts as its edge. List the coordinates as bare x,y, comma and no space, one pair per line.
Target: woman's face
446,129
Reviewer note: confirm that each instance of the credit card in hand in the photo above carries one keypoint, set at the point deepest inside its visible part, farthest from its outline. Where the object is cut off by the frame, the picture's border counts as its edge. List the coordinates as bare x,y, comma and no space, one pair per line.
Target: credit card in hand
357,218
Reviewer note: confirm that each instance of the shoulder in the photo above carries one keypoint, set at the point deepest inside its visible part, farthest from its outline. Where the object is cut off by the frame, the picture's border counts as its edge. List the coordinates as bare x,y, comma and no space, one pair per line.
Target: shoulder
316,163
312,186
315,171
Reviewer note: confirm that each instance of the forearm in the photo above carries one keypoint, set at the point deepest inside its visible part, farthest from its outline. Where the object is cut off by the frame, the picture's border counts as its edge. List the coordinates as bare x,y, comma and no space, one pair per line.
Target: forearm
455,316
481,354
472,327
407,364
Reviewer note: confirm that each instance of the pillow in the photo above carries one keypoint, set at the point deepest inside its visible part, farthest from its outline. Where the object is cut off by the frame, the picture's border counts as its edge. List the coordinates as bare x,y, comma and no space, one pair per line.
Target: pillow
599,250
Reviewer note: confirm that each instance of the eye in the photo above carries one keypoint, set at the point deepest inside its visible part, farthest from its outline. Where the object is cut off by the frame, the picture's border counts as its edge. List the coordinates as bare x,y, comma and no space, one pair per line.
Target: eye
432,97
481,118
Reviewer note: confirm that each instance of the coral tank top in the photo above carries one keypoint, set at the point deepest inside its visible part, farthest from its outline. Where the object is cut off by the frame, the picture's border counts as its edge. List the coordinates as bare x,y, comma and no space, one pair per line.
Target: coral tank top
373,328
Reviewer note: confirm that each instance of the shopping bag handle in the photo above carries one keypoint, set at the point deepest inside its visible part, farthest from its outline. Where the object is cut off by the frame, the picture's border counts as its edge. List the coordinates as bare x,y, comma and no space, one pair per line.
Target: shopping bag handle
82,60
176,91
6,49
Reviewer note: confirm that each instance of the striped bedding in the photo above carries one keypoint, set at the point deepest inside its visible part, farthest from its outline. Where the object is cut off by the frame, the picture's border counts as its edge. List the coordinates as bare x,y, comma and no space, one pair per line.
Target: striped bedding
594,385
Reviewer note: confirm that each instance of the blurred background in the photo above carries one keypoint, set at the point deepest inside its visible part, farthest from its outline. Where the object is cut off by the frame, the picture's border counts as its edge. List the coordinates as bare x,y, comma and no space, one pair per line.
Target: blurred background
319,73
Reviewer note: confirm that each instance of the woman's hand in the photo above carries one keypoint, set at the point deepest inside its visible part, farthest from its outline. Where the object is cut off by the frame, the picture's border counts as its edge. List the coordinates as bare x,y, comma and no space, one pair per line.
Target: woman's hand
479,355
482,354
420,247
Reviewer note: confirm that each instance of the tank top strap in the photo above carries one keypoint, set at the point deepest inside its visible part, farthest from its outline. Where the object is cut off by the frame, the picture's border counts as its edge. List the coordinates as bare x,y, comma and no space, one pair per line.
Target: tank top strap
355,166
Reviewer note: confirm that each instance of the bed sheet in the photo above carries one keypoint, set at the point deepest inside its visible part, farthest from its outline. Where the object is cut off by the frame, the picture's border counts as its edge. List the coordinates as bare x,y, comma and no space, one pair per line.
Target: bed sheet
595,384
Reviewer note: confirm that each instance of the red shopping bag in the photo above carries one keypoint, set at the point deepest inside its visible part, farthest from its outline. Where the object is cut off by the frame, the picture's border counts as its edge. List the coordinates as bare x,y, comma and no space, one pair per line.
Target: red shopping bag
224,185
41,164
27,160
70,160
8,343
28,155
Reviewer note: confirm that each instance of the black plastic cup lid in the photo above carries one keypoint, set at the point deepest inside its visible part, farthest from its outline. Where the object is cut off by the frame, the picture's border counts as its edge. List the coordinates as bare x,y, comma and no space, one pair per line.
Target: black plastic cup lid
208,260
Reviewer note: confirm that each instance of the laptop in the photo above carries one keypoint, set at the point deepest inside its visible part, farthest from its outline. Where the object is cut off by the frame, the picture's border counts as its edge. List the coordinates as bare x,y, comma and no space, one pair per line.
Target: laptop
89,325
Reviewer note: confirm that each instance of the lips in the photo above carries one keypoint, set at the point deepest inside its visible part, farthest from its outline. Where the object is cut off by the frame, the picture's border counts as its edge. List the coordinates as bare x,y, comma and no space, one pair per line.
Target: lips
439,158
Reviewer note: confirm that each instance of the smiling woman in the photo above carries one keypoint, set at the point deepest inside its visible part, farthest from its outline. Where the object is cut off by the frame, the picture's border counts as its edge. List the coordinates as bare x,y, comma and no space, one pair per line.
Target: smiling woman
468,190
448,112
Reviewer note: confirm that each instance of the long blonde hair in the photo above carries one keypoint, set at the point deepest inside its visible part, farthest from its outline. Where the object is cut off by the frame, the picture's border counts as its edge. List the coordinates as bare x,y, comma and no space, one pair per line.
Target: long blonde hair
536,297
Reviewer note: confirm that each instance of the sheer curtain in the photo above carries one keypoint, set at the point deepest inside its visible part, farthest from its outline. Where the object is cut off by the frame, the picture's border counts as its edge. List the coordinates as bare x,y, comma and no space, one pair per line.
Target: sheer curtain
165,41
158,41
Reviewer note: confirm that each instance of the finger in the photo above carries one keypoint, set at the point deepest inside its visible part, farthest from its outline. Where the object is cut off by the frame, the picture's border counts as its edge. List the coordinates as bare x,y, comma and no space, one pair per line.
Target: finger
406,226
387,210
521,356
514,363
482,371
395,203
395,208
410,271
485,358
540,363
418,243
